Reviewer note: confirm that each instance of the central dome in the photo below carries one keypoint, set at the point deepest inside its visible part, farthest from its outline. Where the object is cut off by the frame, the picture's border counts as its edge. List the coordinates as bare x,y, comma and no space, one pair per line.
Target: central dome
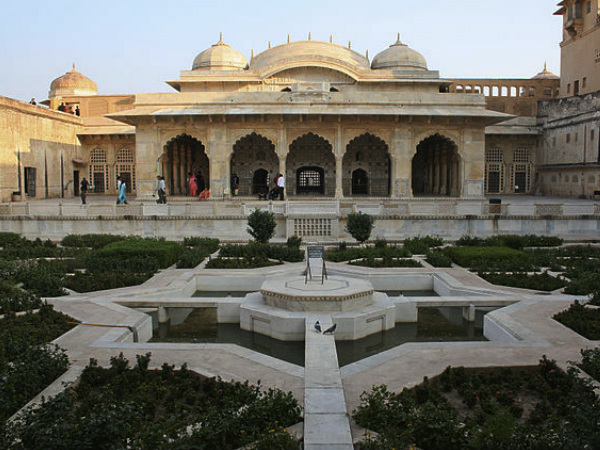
220,57
399,56
309,53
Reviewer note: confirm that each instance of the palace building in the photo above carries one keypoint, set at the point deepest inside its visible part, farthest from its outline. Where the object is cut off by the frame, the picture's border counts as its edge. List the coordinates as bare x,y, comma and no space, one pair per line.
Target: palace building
334,122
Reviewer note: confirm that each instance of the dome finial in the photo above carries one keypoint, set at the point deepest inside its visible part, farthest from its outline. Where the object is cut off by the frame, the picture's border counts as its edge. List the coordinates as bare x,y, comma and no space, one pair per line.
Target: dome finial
269,44
309,36
331,38
288,38
73,66
252,54
545,66
367,54
349,44
398,37
220,39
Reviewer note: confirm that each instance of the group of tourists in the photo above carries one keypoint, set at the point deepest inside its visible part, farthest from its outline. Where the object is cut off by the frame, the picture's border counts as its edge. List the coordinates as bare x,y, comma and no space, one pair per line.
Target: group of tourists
275,192
197,186
65,108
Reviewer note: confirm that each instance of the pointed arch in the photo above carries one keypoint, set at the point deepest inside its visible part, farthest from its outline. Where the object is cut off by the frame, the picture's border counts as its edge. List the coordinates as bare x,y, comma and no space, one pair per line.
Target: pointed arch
436,167
183,155
252,154
310,154
369,153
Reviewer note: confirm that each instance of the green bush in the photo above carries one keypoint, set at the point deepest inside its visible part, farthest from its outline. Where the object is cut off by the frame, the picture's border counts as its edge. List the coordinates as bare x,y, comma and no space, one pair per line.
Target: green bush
438,258
13,298
134,407
94,241
27,364
517,242
582,320
240,263
386,262
99,281
8,239
483,410
262,250
590,362
360,226
538,282
294,241
209,244
489,258
367,252
164,253
261,225
41,277
422,245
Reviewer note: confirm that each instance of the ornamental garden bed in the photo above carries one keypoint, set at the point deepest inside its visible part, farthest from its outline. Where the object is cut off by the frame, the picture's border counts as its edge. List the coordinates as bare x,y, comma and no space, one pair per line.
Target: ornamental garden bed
531,408
139,408
27,362
581,319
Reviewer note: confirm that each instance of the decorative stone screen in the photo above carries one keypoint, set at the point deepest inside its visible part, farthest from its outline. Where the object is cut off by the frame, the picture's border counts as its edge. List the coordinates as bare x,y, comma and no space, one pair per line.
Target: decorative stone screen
312,227
99,172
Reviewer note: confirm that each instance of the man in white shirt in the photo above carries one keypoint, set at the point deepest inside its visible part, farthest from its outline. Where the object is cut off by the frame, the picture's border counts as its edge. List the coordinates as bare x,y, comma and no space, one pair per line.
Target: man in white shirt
281,185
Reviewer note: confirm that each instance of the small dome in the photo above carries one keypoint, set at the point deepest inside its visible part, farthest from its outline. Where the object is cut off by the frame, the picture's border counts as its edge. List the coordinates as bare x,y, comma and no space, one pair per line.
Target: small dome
399,55
220,57
72,83
546,74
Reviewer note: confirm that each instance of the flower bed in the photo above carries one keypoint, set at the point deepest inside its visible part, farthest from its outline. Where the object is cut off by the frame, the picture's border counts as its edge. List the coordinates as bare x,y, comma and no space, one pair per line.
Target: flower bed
496,409
582,320
27,364
138,408
538,282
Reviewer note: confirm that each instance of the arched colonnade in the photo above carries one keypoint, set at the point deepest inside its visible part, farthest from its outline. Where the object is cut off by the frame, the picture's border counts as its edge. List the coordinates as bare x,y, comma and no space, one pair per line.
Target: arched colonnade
311,167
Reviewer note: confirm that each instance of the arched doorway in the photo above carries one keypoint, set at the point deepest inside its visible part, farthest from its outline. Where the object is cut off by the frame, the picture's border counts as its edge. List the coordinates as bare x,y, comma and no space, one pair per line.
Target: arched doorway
260,181
360,182
436,167
369,153
254,154
310,166
183,155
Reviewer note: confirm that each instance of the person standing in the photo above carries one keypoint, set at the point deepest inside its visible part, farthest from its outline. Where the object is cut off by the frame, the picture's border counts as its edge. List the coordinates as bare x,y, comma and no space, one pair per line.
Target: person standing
235,184
161,189
193,185
280,185
85,185
122,193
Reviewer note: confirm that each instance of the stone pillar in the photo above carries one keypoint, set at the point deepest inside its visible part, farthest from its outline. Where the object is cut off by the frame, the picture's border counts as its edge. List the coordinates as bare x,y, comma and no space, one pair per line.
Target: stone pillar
218,151
281,151
175,175
444,173
401,164
339,157
182,171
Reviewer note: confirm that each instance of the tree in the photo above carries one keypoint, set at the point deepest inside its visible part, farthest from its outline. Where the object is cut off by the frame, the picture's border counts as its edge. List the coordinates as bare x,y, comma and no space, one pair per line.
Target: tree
360,225
261,225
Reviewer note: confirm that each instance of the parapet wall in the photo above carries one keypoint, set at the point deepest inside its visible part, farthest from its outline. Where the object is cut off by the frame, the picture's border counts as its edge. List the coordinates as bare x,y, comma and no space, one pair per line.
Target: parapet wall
313,221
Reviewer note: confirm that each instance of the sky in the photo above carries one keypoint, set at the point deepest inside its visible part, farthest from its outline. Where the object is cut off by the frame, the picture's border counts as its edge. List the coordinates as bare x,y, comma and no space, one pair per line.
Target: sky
134,46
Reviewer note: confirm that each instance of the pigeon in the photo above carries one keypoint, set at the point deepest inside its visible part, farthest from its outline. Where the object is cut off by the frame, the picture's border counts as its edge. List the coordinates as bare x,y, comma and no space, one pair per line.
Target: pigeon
331,329
318,326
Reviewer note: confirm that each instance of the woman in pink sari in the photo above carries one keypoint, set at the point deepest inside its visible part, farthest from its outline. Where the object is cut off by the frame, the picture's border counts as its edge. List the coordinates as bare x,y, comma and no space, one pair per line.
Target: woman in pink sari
193,186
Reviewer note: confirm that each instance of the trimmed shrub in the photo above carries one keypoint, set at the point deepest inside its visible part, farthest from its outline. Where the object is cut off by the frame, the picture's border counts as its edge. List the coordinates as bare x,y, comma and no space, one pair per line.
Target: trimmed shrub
421,245
133,407
156,252
14,299
438,258
209,244
538,282
294,242
367,252
240,263
261,225
8,239
94,241
582,320
488,258
262,250
386,262
89,282
360,226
